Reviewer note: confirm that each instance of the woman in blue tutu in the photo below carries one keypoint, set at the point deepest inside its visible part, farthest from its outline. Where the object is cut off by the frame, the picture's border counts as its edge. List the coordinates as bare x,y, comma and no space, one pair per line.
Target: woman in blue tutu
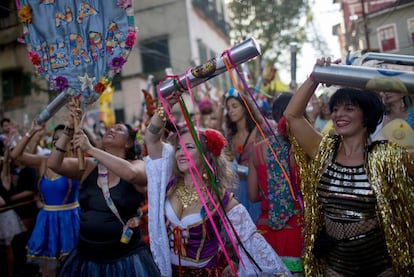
57,224
113,188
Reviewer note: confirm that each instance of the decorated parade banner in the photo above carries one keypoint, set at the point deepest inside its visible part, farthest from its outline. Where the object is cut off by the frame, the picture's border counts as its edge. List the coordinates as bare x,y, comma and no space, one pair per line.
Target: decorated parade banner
77,45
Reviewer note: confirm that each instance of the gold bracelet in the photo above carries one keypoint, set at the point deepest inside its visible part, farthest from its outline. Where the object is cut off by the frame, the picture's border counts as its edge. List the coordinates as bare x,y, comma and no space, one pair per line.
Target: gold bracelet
161,112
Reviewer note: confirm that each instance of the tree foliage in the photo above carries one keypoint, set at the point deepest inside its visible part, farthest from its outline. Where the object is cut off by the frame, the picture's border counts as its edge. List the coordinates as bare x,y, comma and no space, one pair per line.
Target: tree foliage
274,23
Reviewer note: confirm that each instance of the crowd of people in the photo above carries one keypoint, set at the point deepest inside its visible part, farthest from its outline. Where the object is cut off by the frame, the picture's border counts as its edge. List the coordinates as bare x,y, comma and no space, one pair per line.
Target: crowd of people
304,191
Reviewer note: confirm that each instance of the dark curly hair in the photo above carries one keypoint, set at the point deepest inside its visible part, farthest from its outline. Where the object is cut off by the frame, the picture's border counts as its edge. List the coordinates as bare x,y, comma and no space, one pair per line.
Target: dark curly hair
368,101
132,152
280,104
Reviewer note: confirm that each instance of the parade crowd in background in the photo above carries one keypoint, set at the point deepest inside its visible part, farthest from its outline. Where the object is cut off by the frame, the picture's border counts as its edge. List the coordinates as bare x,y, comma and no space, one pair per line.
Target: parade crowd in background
302,184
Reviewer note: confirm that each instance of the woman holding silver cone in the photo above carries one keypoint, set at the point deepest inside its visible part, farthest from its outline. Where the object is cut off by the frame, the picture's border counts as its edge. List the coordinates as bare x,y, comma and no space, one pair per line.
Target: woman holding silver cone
358,194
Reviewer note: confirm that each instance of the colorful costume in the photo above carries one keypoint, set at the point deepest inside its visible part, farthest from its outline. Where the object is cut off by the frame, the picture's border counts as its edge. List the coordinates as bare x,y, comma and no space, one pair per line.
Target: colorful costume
392,197
99,251
196,253
410,117
241,157
57,224
283,215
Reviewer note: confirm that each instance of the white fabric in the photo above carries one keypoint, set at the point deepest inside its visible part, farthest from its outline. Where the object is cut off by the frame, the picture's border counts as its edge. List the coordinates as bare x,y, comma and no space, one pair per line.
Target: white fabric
256,245
158,173
377,133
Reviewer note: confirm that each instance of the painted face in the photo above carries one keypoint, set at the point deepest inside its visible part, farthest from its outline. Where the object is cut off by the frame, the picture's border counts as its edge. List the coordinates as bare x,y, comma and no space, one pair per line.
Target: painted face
392,97
181,158
234,109
347,119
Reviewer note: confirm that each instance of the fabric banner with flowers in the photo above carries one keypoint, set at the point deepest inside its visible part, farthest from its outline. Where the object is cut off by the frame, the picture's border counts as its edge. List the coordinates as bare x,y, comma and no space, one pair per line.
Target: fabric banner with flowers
80,44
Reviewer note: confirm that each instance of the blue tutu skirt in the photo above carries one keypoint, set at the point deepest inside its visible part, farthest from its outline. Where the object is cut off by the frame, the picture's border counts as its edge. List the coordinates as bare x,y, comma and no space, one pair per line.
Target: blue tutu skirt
54,235
138,263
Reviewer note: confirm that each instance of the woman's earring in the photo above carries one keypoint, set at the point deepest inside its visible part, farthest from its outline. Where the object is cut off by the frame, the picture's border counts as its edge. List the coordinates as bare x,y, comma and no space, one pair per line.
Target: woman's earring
402,104
205,175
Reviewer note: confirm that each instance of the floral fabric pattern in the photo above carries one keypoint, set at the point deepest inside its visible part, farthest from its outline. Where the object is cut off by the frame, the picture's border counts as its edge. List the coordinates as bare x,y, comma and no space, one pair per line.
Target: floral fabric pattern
279,197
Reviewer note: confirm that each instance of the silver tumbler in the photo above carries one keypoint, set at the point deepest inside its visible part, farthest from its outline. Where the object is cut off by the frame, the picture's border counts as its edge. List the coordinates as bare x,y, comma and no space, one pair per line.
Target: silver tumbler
376,79
239,54
55,105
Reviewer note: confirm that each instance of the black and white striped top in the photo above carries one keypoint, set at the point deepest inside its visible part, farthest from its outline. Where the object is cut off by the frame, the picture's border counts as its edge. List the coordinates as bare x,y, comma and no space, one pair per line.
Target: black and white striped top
346,194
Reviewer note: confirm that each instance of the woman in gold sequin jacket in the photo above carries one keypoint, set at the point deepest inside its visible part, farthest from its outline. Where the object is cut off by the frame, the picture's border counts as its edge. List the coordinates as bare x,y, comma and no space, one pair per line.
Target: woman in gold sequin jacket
358,195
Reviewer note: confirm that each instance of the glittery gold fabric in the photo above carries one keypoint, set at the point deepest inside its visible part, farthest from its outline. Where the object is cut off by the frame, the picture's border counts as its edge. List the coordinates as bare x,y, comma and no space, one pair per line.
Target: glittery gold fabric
394,190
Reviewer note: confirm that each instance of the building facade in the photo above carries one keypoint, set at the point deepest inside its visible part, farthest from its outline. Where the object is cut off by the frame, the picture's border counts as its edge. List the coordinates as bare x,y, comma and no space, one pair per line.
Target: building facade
377,25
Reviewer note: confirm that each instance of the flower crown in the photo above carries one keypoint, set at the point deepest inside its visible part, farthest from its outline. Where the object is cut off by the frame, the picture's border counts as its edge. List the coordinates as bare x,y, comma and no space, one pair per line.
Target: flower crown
215,142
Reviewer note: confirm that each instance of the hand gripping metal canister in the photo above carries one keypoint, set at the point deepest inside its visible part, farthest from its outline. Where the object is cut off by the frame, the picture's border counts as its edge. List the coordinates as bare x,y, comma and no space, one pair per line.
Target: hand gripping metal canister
376,79
55,105
389,58
239,54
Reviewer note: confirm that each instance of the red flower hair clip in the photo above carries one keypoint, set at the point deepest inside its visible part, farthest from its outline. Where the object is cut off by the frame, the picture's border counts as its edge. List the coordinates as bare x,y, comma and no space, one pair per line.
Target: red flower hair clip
281,126
215,141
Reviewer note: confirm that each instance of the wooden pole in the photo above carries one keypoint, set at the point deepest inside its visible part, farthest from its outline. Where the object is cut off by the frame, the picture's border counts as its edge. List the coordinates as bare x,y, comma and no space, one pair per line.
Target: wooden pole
79,152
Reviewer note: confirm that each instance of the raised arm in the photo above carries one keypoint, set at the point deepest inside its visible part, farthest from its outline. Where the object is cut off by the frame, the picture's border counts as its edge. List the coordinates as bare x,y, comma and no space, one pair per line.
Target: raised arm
155,128
304,132
131,171
28,158
153,133
66,166
5,170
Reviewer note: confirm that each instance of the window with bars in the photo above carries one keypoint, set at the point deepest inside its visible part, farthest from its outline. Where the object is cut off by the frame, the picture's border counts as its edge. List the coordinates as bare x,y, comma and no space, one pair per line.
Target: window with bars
15,83
388,38
155,55
410,23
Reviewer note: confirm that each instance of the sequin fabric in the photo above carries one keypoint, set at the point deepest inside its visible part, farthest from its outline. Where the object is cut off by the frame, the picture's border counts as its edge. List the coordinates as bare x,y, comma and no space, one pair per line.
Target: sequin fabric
349,207
393,189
